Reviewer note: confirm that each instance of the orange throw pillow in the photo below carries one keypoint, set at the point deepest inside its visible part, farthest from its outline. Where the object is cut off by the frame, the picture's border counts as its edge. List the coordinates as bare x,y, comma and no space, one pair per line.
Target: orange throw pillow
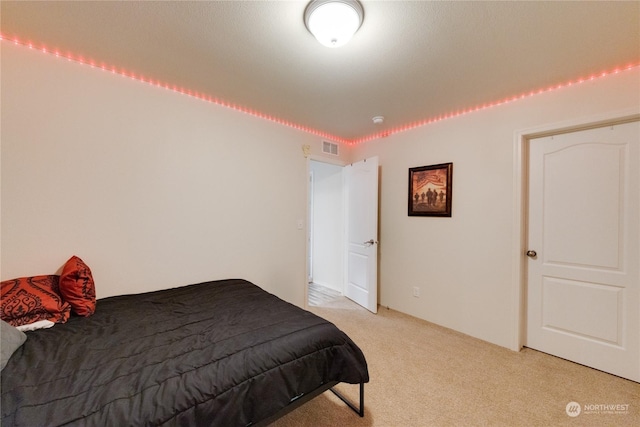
30,299
77,287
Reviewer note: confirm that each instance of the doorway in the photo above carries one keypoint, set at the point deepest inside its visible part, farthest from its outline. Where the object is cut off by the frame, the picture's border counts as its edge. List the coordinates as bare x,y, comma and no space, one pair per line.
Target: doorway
343,230
326,232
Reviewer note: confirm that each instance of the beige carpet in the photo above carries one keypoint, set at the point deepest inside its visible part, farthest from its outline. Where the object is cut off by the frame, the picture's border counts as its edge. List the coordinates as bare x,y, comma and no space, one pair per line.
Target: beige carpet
426,375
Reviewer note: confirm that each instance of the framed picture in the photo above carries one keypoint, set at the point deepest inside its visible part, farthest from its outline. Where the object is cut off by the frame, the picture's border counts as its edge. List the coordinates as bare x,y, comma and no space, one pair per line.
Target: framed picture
430,190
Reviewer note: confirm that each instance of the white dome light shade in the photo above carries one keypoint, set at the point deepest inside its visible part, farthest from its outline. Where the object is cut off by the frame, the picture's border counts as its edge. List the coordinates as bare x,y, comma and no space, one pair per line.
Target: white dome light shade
333,22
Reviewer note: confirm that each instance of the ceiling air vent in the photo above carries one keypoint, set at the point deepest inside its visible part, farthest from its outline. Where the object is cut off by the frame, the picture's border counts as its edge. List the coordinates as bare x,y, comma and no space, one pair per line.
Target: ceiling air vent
330,148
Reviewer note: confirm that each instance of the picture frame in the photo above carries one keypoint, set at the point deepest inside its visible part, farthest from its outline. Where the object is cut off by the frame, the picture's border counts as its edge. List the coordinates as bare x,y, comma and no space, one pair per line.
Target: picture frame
430,190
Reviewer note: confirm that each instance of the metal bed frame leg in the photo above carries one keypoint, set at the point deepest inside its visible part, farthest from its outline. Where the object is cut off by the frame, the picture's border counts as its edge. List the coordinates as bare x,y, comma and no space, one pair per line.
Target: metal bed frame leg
359,411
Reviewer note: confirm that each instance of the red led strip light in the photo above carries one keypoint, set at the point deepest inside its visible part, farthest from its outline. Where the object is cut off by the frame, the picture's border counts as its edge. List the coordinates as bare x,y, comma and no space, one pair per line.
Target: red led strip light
208,98
485,106
139,77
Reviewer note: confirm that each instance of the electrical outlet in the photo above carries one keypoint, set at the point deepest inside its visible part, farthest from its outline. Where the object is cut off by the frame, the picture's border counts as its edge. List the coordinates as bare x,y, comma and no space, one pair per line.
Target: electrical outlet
416,291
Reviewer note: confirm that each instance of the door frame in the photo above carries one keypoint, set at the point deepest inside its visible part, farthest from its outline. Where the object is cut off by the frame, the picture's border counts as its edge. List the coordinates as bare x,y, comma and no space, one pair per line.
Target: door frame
520,203
309,159
310,229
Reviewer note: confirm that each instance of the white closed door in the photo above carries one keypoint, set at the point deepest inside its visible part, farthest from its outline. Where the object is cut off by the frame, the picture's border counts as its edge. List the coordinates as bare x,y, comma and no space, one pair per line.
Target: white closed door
362,233
583,297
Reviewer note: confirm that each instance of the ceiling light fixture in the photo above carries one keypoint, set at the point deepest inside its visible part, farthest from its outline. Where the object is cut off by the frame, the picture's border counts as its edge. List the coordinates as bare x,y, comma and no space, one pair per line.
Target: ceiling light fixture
333,22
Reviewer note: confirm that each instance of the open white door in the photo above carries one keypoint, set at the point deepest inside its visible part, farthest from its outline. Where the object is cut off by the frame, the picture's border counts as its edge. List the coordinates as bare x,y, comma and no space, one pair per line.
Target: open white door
361,181
584,278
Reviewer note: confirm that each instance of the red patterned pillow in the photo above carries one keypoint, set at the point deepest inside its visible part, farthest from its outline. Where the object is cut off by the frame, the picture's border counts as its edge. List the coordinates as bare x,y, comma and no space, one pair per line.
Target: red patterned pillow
30,299
77,287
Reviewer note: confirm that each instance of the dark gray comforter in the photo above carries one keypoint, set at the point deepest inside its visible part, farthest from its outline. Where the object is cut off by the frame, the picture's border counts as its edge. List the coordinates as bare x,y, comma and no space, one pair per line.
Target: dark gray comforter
223,353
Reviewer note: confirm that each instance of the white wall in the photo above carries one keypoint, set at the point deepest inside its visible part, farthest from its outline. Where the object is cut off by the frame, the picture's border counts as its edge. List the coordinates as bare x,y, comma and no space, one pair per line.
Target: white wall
151,188
463,264
328,225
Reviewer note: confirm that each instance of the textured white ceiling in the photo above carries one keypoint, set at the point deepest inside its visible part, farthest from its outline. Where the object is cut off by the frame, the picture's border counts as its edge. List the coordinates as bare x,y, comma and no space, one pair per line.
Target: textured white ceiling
410,60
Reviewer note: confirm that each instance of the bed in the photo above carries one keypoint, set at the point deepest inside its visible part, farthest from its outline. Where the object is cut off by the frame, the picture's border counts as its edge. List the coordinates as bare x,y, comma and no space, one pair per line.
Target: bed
221,353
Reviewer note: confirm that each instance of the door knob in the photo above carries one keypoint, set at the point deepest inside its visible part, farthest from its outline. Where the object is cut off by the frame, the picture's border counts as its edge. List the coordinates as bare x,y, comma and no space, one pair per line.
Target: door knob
532,254
370,242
